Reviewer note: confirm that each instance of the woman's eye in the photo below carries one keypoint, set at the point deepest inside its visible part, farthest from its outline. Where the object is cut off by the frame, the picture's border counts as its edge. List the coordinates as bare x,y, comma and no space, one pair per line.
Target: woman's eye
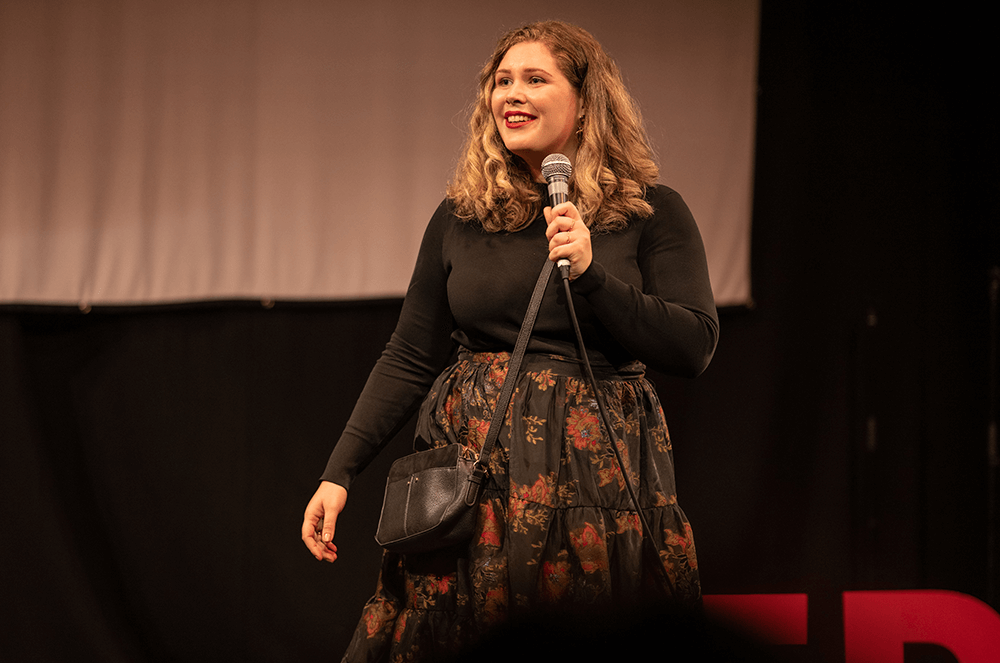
503,82
536,79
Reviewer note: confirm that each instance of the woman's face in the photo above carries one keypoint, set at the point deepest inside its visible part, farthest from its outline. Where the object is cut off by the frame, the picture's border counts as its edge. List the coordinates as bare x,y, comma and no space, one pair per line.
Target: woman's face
536,109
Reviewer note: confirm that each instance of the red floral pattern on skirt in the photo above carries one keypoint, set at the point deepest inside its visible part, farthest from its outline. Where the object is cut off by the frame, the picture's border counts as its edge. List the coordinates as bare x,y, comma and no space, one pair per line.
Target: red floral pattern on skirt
556,525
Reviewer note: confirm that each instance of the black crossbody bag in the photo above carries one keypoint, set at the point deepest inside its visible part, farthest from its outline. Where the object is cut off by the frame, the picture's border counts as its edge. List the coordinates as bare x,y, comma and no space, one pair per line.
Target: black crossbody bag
432,497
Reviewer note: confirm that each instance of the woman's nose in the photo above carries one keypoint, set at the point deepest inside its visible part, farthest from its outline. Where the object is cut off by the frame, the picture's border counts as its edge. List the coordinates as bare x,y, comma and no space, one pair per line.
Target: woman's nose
515,93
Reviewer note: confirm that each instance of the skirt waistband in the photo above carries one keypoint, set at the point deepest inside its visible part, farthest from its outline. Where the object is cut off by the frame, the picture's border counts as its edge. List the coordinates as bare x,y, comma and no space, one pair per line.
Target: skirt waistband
558,365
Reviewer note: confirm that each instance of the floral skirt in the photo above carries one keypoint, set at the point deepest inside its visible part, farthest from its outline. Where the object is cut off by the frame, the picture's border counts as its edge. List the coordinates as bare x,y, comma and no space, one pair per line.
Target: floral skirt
556,527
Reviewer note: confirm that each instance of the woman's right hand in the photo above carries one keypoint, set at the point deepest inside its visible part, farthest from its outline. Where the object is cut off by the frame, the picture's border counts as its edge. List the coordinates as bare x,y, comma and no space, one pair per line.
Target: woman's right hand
320,520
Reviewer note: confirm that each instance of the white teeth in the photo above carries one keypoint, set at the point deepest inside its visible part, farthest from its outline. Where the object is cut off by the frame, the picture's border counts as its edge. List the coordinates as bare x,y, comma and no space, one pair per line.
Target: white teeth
518,118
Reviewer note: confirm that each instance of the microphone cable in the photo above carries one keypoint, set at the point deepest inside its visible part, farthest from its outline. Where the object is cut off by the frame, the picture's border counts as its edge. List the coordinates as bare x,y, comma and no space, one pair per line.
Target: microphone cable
648,544
557,169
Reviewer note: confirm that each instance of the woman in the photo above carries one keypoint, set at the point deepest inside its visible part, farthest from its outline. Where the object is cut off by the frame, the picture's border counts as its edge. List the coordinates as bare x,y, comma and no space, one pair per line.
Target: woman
555,524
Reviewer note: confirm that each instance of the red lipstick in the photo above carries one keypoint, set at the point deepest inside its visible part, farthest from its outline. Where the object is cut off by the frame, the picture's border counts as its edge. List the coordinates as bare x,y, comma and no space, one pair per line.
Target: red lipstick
516,125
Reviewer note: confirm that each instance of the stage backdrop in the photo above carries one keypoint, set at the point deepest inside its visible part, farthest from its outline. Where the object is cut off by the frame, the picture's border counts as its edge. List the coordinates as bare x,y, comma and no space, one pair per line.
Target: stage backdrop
294,149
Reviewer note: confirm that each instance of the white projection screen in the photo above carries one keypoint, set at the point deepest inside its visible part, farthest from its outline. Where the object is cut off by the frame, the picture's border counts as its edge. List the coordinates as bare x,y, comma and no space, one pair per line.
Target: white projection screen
158,152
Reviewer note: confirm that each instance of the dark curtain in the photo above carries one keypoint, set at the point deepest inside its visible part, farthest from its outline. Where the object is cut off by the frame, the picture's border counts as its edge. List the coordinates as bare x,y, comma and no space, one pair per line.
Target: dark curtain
154,463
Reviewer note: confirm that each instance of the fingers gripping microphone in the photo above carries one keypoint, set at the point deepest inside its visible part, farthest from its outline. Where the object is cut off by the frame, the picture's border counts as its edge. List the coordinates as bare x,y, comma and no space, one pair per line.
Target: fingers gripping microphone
556,170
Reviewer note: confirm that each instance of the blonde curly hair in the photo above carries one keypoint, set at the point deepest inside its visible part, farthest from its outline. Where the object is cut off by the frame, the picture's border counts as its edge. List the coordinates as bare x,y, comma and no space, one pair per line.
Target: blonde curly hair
614,163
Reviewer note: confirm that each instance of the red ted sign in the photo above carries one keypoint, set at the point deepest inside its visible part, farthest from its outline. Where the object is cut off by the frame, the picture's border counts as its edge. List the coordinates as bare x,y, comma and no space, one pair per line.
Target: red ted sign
876,624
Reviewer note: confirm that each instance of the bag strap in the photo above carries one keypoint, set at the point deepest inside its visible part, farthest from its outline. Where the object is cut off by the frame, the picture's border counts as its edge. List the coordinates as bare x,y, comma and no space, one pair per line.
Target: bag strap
513,367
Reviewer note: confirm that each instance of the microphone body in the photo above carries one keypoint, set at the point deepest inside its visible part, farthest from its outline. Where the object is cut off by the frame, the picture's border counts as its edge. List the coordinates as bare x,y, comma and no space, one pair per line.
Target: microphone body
556,169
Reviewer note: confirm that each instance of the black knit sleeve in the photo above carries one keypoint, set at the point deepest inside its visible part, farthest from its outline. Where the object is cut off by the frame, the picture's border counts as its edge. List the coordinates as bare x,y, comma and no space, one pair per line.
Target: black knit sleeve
417,352
670,323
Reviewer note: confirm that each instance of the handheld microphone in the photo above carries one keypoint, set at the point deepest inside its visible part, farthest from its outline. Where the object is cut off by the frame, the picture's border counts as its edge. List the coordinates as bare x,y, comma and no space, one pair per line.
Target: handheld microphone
556,169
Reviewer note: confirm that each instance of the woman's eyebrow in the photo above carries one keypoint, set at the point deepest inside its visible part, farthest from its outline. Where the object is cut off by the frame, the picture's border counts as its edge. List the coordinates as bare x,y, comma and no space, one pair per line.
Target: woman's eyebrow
527,70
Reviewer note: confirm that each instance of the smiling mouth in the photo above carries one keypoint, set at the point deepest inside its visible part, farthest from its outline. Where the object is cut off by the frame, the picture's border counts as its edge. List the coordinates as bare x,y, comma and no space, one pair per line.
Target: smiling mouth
514,120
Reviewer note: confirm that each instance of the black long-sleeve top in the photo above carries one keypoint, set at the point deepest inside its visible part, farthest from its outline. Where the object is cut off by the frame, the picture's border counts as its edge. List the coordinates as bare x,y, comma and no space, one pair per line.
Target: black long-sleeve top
645,296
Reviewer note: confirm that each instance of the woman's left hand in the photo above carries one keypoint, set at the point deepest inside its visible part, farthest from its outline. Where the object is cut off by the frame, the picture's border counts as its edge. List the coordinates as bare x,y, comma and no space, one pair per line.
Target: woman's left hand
569,238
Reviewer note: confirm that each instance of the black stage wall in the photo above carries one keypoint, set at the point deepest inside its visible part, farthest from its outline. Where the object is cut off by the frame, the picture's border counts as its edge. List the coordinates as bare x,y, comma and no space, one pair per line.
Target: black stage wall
154,462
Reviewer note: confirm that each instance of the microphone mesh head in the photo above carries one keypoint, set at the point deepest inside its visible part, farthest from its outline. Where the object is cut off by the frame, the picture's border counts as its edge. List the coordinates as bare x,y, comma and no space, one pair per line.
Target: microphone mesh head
556,165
